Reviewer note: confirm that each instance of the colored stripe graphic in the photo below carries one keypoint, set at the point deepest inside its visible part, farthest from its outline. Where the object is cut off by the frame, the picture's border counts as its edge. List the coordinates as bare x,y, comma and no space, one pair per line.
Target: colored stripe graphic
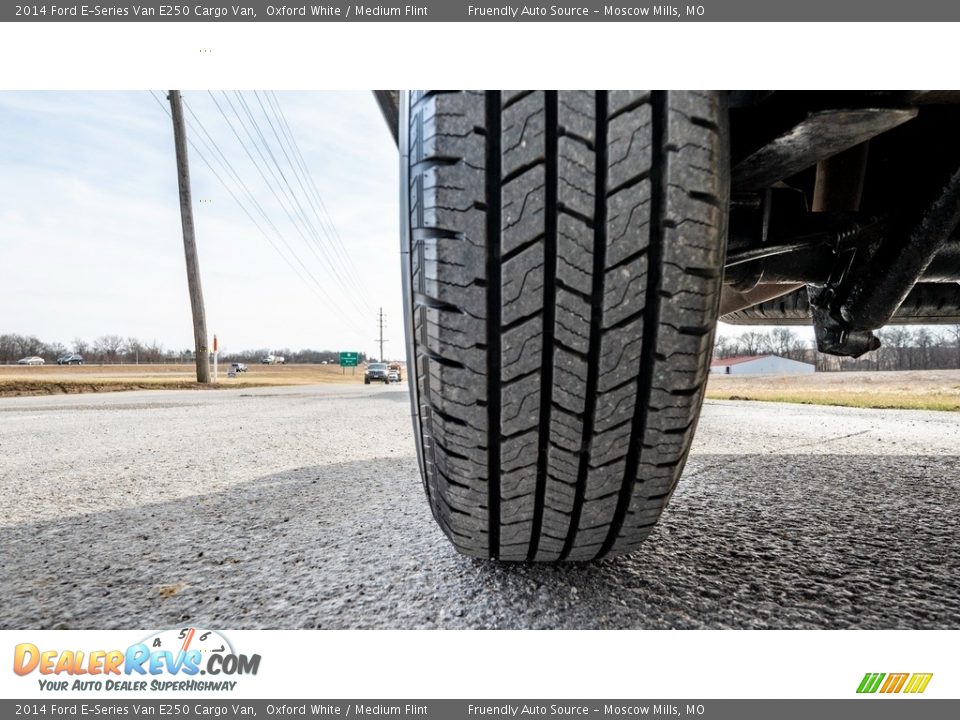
918,682
894,683
870,682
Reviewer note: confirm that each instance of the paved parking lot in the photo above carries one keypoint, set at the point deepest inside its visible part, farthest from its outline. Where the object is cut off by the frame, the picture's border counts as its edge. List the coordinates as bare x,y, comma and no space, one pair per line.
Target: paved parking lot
302,508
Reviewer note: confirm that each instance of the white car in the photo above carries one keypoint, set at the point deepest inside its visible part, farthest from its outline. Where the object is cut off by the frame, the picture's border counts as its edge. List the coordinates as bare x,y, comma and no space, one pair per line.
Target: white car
32,360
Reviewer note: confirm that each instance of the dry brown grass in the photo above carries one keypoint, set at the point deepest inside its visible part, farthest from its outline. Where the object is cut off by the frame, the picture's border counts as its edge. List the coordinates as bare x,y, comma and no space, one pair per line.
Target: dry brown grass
908,390
54,379
915,390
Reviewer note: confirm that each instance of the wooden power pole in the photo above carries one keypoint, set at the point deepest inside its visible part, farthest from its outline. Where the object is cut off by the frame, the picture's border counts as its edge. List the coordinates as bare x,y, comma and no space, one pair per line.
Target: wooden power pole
190,240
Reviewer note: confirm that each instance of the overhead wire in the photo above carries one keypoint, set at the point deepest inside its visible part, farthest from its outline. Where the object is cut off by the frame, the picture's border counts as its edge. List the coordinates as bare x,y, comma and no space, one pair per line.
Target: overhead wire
290,212
312,183
270,185
341,281
197,123
309,187
316,286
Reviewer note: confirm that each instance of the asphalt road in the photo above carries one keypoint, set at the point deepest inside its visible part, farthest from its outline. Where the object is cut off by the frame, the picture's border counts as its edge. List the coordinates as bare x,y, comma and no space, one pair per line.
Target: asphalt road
302,508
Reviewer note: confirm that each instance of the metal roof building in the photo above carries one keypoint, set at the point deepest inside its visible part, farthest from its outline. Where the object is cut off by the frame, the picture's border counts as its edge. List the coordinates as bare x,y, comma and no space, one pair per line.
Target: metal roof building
760,365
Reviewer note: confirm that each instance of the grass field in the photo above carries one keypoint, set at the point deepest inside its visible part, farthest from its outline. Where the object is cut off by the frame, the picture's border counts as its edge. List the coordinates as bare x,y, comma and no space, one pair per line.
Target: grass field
54,379
908,390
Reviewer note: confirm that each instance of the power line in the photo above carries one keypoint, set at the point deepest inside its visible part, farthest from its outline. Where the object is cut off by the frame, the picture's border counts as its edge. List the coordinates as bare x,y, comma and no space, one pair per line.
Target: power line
256,203
290,212
313,193
316,287
346,267
313,185
293,196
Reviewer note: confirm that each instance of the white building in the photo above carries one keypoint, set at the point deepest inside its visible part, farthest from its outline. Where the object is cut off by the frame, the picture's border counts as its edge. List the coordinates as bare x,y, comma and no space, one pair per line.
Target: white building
760,365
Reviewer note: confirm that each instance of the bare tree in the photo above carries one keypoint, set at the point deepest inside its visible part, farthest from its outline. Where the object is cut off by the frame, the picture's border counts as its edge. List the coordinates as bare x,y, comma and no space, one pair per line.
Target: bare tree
785,342
754,343
152,352
134,350
924,341
898,339
722,347
55,350
952,334
107,347
13,347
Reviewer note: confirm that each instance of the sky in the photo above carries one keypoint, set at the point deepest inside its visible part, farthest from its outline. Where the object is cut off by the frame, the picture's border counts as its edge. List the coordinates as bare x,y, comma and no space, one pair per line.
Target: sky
91,241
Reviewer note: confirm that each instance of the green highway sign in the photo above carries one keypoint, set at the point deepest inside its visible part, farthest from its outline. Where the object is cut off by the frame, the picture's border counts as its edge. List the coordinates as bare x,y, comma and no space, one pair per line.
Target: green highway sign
349,359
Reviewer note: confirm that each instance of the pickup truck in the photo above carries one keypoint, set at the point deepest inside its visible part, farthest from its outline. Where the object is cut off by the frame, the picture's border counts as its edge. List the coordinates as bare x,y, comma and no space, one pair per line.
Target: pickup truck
378,372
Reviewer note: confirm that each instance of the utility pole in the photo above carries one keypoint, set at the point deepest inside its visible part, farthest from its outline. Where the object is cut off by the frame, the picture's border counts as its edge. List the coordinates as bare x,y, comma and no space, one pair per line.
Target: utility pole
381,335
189,240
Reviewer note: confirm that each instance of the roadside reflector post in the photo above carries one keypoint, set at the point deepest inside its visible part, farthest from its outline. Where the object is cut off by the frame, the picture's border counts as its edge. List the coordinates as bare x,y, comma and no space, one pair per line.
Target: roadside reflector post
216,360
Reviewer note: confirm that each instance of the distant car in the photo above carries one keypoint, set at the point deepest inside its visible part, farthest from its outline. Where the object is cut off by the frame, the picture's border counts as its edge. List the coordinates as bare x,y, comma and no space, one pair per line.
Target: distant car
273,360
394,373
378,372
32,360
70,359
238,367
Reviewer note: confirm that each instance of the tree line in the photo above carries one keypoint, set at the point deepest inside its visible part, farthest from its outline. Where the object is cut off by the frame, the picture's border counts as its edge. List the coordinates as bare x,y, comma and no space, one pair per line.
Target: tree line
903,347
106,349
113,349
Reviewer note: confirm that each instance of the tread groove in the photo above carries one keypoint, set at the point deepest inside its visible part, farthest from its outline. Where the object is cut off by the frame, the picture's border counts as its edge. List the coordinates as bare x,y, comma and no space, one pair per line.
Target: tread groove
494,270
551,140
424,300
523,169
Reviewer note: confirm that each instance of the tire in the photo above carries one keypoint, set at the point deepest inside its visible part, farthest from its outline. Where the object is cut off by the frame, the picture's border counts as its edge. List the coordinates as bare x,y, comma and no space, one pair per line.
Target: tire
563,256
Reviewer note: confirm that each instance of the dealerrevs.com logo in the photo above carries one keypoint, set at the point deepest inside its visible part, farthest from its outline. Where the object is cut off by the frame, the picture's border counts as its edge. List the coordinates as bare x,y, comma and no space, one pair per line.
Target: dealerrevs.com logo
169,660
910,683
